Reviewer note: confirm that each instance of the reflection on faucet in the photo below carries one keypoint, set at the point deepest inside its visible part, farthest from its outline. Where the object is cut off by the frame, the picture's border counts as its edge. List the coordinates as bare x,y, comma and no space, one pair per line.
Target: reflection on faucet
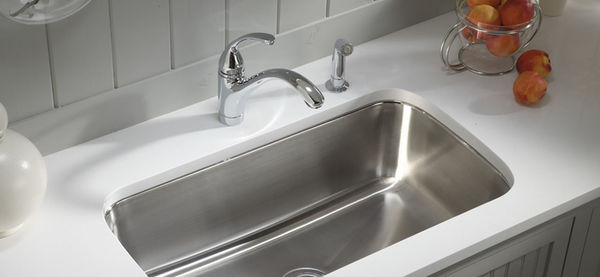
234,87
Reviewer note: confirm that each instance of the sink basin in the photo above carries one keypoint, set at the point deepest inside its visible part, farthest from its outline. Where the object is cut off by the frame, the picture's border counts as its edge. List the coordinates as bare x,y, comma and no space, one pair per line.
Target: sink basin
309,203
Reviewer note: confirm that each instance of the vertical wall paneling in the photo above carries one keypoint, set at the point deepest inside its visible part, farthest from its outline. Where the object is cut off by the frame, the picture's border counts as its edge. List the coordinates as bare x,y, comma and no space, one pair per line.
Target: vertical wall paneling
81,55
171,38
25,84
340,6
226,21
278,17
198,28
293,13
141,39
149,37
251,16
305,44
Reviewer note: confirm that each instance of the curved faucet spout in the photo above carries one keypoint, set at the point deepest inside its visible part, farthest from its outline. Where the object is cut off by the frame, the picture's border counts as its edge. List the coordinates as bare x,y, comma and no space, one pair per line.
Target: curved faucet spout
311,94
234,87
232,95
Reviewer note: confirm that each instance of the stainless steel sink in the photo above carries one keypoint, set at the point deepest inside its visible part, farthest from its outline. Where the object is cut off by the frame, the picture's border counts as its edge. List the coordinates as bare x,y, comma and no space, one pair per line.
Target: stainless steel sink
309,203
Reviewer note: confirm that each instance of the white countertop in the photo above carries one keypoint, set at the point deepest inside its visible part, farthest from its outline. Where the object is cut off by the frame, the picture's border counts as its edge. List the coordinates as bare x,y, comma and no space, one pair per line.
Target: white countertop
551,148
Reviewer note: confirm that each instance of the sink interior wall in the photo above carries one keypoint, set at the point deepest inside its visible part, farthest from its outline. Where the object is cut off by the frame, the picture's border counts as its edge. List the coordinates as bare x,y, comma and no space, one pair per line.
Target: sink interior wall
217,201
439,163
267,186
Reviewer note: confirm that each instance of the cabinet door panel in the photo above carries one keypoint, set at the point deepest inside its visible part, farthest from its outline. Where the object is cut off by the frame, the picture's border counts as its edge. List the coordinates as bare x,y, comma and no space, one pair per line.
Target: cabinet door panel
515,267
541,263
501,271
590,261
529,264
540,252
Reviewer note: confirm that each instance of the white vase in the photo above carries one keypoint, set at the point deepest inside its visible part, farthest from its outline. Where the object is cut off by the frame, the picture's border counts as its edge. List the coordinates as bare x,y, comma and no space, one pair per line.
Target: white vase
22,178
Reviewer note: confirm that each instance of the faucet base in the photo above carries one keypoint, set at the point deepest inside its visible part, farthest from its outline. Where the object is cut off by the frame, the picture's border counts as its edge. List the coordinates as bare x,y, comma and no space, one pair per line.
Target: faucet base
329,85
231,120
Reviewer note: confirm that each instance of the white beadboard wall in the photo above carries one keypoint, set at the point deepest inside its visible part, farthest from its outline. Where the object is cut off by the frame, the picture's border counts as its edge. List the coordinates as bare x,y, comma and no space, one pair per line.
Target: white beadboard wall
119,62
25,83
81,54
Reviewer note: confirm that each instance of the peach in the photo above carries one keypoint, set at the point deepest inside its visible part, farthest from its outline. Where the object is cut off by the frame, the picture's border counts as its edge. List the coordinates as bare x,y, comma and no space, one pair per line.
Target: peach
473,3
501,4
471,35
529,87
503,45
515,12
535,60
483,16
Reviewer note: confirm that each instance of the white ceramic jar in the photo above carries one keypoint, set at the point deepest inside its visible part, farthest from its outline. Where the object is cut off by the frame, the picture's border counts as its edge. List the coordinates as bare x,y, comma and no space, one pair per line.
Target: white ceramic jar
22,178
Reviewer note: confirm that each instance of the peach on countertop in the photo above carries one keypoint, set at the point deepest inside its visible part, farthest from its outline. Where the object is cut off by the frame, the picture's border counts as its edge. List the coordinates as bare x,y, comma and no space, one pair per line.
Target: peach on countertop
529,87
503,45
535,60
515,12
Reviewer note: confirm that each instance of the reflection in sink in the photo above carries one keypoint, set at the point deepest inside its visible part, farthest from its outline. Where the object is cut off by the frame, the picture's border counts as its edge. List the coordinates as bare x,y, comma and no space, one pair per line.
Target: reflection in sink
321,198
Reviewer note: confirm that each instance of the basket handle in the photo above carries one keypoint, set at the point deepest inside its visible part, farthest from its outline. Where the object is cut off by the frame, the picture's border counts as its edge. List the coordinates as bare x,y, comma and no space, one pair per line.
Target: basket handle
445,48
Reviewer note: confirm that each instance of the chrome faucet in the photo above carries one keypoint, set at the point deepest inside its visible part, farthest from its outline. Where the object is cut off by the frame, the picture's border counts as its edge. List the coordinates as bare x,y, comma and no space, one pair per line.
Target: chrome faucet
234,87
337,81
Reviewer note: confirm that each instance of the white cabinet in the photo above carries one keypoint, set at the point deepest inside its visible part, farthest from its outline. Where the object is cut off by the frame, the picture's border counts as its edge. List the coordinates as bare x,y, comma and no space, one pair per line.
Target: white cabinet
568,246
540,252
590,260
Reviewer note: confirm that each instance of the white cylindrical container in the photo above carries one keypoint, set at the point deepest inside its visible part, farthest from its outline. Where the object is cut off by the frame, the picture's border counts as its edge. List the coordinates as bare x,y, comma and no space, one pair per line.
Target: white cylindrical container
553,7
22,178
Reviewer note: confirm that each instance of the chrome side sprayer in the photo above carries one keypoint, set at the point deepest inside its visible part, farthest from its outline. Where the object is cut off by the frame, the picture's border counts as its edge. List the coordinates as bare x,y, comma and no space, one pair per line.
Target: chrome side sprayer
337,82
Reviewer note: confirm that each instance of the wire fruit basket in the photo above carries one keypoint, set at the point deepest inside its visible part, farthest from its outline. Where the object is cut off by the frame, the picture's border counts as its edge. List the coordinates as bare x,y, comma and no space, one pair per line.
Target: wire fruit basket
488,49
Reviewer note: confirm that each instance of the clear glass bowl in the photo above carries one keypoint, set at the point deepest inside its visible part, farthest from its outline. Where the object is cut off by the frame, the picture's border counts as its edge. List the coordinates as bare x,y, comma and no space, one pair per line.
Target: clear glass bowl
476,40
40,11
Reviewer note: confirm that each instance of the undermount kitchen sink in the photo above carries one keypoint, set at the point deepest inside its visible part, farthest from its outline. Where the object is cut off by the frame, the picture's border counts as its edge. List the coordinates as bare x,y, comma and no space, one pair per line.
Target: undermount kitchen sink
309,203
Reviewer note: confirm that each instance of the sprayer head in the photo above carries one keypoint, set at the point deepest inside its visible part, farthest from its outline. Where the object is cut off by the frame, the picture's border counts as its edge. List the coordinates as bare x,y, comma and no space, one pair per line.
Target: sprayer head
344,47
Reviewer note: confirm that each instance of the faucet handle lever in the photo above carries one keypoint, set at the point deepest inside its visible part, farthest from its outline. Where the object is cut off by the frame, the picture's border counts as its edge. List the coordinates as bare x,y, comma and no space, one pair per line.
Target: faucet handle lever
262,37
231,63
